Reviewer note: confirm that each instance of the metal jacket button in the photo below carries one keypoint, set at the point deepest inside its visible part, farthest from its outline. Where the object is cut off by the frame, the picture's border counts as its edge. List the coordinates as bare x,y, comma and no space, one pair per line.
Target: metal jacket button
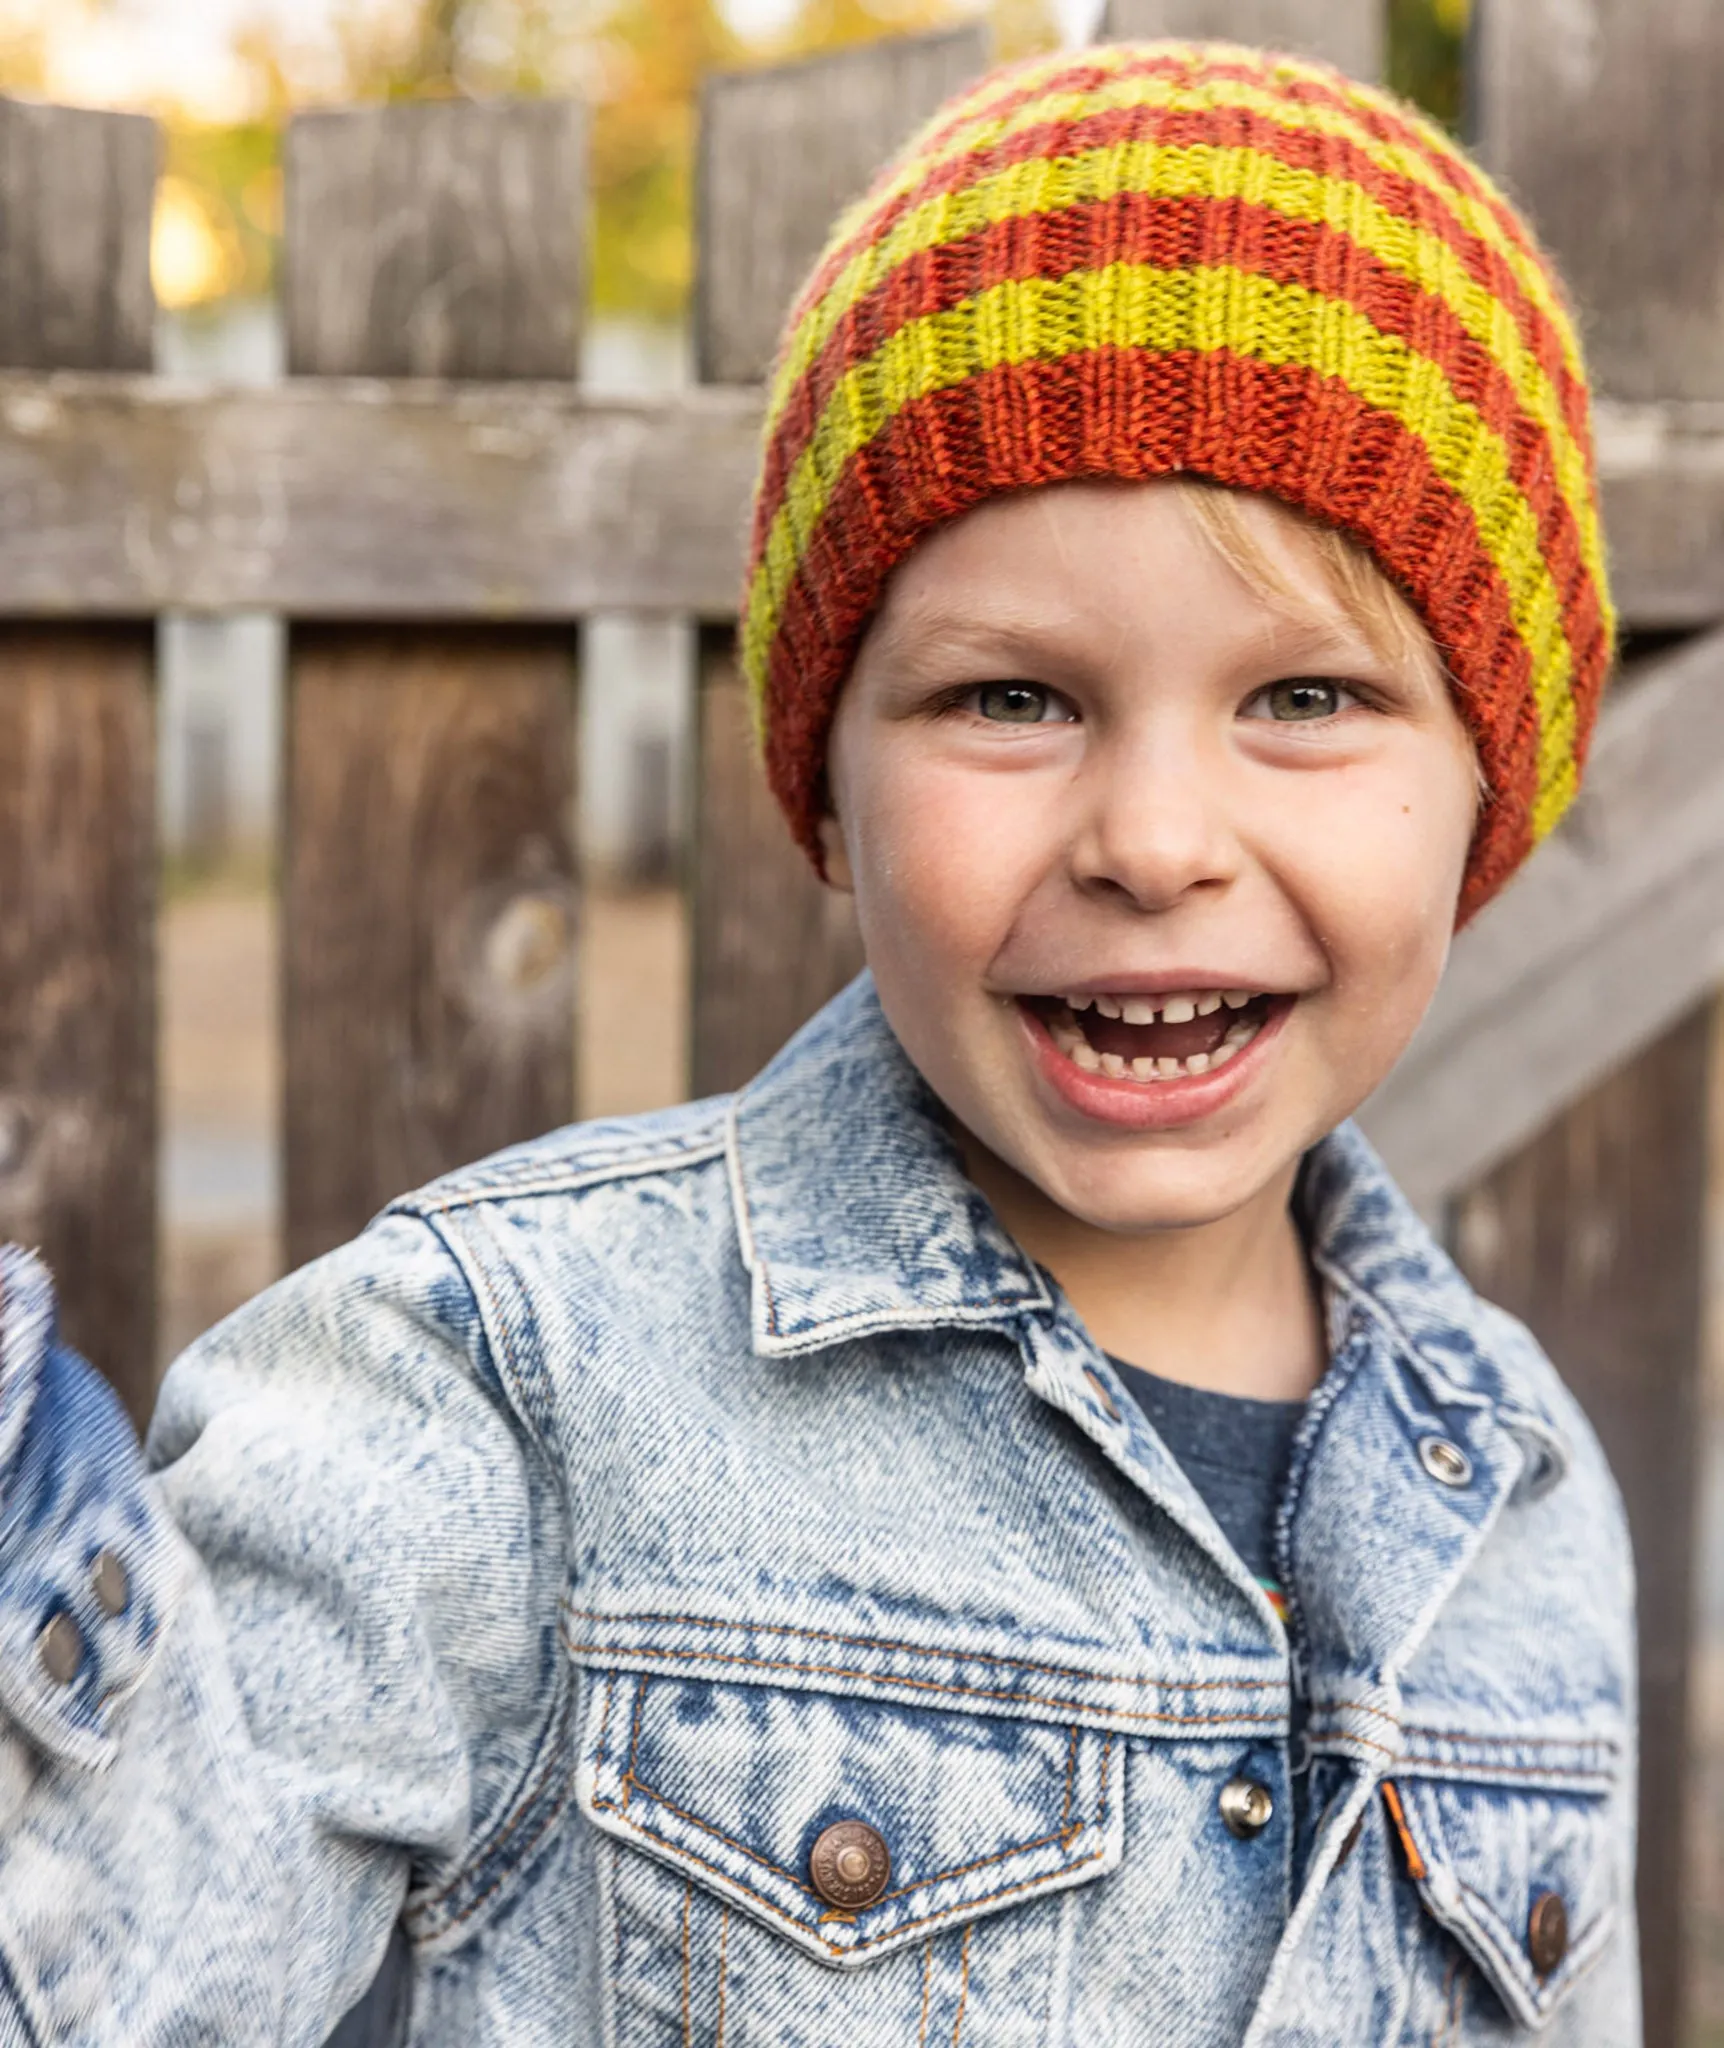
850,1865
1246,1807
109,1583
1447,1463
61,1649
1547,1932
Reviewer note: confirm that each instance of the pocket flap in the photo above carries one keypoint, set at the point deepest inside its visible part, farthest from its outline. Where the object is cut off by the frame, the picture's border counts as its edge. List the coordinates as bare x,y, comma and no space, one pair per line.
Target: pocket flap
733,1785
1525,1878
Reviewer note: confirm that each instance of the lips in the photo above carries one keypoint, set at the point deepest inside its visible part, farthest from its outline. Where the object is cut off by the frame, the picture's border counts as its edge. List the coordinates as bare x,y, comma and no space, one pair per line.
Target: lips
1158,1093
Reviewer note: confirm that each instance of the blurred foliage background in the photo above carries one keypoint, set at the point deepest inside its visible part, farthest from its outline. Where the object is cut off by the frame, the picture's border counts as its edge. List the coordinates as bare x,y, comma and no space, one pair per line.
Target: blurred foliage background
637,63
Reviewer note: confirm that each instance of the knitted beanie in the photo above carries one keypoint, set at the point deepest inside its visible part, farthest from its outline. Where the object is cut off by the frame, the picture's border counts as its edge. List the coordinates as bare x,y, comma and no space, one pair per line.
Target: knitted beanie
1149,258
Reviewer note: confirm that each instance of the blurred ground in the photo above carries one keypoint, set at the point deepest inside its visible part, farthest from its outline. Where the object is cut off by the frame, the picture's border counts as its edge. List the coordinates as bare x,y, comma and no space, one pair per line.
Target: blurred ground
219,1107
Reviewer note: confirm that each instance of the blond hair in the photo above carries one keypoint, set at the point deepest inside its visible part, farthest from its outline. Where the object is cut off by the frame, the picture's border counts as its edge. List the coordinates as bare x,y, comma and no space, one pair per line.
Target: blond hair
1390,626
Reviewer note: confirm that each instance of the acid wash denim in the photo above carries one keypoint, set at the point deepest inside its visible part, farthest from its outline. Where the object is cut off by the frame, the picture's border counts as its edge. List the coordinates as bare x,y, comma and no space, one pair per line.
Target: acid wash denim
552,1564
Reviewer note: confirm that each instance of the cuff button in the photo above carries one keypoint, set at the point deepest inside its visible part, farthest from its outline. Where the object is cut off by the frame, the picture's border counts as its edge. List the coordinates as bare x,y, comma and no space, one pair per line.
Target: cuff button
61,1649
109,1583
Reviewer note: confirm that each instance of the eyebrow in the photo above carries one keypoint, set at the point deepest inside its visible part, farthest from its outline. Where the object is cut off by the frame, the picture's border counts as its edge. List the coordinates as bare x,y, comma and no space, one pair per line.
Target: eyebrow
942,629
936,631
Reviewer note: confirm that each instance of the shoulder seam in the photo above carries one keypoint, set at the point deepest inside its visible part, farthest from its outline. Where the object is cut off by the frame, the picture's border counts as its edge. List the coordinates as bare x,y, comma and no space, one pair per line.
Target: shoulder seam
567,1180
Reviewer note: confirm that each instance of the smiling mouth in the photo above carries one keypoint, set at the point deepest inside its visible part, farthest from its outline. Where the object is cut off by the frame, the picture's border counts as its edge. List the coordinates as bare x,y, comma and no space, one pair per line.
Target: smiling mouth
1154,1038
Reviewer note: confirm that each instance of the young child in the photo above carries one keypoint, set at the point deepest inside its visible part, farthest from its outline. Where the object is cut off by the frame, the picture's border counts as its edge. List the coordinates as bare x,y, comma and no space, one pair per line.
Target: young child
1007,1530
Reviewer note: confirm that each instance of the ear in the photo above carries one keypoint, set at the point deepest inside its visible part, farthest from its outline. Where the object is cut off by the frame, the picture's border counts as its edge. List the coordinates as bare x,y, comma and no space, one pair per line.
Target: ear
837,860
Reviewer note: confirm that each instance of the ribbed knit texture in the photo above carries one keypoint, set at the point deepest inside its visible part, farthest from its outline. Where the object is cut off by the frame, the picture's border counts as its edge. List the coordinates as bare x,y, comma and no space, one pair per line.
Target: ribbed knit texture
1159,257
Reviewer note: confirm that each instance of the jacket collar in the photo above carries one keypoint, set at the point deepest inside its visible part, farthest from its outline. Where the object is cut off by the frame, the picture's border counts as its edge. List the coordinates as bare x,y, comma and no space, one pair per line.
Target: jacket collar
855,1215
853,1208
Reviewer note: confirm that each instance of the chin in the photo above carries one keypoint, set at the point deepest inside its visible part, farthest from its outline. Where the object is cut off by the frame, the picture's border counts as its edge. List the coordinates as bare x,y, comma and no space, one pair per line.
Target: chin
1161,1193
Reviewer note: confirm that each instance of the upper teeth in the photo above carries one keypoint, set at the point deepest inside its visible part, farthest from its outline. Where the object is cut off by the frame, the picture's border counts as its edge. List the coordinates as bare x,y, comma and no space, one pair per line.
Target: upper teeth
1172,1009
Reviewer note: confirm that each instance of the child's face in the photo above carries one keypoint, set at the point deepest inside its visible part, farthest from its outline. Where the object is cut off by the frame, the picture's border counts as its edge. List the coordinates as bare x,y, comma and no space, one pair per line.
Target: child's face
1076,752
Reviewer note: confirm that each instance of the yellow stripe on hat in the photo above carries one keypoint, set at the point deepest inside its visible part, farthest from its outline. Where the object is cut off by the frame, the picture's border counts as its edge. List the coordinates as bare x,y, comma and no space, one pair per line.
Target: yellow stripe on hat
1157,90
1041,186
1140,307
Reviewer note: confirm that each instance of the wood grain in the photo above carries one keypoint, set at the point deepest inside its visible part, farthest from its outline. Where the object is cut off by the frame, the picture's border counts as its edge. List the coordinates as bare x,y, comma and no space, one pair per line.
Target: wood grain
330,499
430,915
435,238
771,944
75,194
77,982
1605,120
1348,33
430,903
781,152
77,783
1594,1234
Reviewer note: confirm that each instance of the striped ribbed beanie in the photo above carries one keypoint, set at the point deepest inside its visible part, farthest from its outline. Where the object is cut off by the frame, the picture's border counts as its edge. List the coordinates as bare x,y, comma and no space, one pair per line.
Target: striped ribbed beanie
1146,258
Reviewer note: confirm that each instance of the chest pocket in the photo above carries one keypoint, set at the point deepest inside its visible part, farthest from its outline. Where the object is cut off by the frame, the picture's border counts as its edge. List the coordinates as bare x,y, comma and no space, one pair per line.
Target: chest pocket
1528,1877
716,1796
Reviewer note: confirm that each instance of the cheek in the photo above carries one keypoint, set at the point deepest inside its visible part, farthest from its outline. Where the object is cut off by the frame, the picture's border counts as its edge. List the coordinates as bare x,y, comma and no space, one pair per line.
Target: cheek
941,860
1383,881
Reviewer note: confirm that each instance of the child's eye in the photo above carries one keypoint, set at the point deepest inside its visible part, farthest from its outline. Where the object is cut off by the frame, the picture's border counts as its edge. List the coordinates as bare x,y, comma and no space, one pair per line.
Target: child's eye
1011,703
1299,699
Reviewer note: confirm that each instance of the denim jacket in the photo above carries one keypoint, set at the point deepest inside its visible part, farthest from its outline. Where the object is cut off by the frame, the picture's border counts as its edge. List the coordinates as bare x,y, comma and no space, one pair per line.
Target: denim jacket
554,1565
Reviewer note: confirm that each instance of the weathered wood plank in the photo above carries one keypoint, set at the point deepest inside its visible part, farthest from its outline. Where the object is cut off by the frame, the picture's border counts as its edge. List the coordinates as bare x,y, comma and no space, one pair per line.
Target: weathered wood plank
1606,120
1609,934
75,193
431,913
781,151
77,981
1347,33
1661,467
430,910
1594,1234
768,942
329,498
771,943
77,783
433,239
326,499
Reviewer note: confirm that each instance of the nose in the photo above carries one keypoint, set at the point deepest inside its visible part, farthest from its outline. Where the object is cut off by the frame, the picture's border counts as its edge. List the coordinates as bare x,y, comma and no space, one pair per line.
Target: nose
1153,822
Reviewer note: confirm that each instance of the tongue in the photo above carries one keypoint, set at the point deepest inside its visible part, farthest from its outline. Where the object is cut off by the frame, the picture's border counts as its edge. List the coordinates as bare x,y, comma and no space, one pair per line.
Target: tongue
1158,1040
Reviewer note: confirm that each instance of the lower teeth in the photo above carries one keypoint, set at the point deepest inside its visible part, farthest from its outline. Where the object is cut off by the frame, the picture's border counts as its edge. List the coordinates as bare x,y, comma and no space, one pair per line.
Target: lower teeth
1081,1053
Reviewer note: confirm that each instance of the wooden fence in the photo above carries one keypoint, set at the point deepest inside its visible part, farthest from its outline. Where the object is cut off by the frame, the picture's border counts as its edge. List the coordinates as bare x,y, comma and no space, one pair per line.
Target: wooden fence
433,504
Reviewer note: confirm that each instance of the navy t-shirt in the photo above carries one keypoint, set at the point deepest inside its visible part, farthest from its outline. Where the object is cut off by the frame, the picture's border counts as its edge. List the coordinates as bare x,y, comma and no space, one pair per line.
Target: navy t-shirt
1235,1452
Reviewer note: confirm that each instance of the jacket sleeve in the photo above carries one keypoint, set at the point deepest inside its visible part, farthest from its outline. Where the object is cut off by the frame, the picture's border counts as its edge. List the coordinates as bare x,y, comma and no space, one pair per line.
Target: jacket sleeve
266,1680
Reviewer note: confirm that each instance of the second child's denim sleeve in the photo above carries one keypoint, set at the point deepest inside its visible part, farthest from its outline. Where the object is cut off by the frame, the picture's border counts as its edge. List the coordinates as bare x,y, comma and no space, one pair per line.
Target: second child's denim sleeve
263,1681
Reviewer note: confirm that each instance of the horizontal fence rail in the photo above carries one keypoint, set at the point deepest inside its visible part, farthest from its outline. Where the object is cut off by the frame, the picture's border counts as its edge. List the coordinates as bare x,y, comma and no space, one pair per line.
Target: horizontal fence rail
333,497
359,498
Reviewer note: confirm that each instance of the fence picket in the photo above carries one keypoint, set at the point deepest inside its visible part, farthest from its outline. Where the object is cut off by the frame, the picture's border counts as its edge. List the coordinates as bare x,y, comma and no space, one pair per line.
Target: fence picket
770,944
1602,120
77,782
429,881
1349,33
1607,121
